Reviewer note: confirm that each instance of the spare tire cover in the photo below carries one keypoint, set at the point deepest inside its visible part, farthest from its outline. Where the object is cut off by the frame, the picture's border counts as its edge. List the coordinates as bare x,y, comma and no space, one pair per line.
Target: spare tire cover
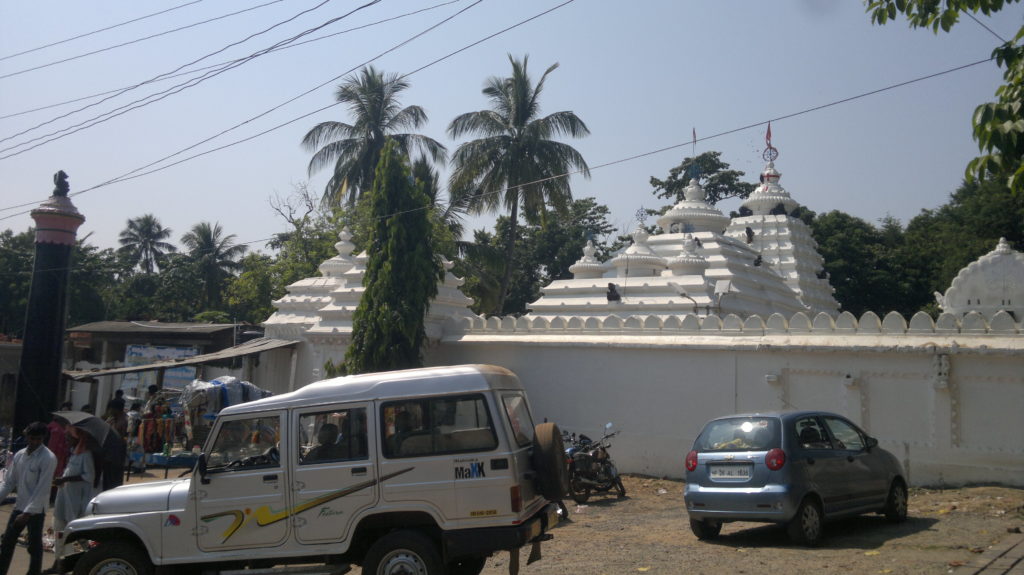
549,461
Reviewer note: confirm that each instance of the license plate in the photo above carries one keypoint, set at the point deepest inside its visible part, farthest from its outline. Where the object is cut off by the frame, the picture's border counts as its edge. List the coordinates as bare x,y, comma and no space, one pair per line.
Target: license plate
730,471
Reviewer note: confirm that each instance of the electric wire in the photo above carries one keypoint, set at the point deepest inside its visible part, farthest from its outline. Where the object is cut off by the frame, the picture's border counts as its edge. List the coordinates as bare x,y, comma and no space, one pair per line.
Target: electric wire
133,175
194,70
136,41
286,102
157,96
66,40
990,31
566,174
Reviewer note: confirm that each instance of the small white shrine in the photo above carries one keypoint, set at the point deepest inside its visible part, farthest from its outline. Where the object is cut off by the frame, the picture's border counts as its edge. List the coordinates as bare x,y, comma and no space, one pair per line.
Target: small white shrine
992,283
320,309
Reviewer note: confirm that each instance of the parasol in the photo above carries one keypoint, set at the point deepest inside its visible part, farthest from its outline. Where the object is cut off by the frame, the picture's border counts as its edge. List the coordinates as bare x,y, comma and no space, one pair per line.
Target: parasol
94,426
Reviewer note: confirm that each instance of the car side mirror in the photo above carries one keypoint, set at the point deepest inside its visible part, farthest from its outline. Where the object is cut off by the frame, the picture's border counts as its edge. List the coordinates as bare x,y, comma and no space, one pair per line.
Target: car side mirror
201,467
870,443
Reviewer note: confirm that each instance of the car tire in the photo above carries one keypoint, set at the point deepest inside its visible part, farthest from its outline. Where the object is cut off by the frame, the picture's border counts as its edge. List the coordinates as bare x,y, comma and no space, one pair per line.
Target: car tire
549,461
705,529
896,503
401,552
806,527
114,558
467,566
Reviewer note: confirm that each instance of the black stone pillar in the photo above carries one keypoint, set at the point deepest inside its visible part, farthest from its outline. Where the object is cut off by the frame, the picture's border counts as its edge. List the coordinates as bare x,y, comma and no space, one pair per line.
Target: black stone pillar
42,348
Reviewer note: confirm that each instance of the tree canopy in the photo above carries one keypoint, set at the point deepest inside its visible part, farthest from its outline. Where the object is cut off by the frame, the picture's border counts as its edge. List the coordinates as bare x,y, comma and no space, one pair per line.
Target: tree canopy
714,175
353,150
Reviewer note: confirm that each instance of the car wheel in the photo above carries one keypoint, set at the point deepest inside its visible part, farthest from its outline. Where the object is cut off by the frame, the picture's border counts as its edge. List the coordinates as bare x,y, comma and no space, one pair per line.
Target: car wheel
403,553
705,529
549,461
467,566
896,503
114,559
580,493
620,487
806,526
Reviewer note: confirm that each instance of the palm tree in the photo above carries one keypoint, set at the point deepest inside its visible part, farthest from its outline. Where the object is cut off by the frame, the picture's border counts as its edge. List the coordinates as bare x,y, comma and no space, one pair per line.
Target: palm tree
515,163
354,149
216,257
143,241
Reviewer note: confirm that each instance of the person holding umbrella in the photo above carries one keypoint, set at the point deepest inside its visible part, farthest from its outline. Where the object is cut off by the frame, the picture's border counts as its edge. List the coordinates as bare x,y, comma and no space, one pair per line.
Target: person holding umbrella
30,474
76,487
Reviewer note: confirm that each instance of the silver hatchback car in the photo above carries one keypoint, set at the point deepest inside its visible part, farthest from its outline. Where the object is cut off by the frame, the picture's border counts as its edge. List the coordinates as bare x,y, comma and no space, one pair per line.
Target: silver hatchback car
795,468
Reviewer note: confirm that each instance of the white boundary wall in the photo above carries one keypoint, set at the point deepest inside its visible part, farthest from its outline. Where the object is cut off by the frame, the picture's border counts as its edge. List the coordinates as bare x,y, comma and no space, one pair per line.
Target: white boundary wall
947,397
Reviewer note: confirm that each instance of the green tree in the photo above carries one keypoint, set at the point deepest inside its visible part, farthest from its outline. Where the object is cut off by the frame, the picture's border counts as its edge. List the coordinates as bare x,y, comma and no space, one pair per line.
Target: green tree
515,164
216,258
543,254
16,256
250,296
714,175
859,263
142,241
93,282
353,150
309,241
177,297
999,125
401,274
941,242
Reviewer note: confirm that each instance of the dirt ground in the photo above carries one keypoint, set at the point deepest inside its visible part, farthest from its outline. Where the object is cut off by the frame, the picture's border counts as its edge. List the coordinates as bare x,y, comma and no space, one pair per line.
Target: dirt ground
648,532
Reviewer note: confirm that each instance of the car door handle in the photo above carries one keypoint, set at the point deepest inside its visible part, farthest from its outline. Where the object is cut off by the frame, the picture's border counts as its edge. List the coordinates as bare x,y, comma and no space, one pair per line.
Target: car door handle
849,458
358,471
810,461
270,478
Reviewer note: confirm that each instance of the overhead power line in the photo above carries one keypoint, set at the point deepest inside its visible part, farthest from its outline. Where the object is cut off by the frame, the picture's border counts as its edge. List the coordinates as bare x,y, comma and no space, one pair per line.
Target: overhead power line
194,70
136,41
157,96
688,142
64,41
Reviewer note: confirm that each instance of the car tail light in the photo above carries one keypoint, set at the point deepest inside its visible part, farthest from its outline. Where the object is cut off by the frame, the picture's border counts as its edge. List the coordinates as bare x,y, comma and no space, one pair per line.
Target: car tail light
517,499
775,459
691,461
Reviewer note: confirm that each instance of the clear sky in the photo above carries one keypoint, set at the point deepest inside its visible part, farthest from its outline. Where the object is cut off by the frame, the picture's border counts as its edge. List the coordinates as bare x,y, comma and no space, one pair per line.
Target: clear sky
642,75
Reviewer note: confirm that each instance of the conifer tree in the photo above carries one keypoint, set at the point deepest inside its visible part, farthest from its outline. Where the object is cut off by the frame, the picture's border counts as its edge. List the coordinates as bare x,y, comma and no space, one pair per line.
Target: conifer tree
401,274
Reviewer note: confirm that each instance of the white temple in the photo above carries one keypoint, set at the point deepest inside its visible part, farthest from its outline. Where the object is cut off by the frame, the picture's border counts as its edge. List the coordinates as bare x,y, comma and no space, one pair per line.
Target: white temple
992,283
703,264
320,309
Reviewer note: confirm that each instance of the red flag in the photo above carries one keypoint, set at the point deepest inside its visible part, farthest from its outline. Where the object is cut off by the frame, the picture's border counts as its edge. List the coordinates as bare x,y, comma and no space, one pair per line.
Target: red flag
768,135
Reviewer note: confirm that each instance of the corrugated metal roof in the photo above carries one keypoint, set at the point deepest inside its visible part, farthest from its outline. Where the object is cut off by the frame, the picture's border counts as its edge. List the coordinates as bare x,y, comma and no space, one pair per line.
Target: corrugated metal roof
151,327
252,347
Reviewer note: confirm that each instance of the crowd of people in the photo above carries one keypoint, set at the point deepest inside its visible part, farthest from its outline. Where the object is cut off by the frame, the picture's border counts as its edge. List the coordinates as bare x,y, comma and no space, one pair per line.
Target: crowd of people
63,465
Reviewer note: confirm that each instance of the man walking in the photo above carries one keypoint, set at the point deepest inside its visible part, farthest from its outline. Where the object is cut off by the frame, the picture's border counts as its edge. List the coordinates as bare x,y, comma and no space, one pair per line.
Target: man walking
30,474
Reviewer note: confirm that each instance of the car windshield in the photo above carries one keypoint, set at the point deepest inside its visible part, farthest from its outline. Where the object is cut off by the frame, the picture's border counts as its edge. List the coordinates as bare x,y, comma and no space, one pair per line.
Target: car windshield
739,434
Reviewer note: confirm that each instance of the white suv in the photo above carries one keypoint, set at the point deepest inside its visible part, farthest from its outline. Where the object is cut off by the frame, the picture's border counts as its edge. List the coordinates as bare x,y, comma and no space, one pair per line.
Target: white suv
425,471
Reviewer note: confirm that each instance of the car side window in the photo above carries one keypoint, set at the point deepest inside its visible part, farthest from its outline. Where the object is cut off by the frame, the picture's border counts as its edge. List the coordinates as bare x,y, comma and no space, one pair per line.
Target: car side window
847,436
811,435
437,425
243,443
335,435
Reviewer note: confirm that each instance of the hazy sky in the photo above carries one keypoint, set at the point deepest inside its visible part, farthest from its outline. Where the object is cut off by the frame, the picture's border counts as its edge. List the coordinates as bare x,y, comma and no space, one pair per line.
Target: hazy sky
641,74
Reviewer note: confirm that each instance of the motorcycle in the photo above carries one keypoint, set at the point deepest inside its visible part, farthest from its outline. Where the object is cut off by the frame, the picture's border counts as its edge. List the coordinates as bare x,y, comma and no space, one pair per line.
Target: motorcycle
590,466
